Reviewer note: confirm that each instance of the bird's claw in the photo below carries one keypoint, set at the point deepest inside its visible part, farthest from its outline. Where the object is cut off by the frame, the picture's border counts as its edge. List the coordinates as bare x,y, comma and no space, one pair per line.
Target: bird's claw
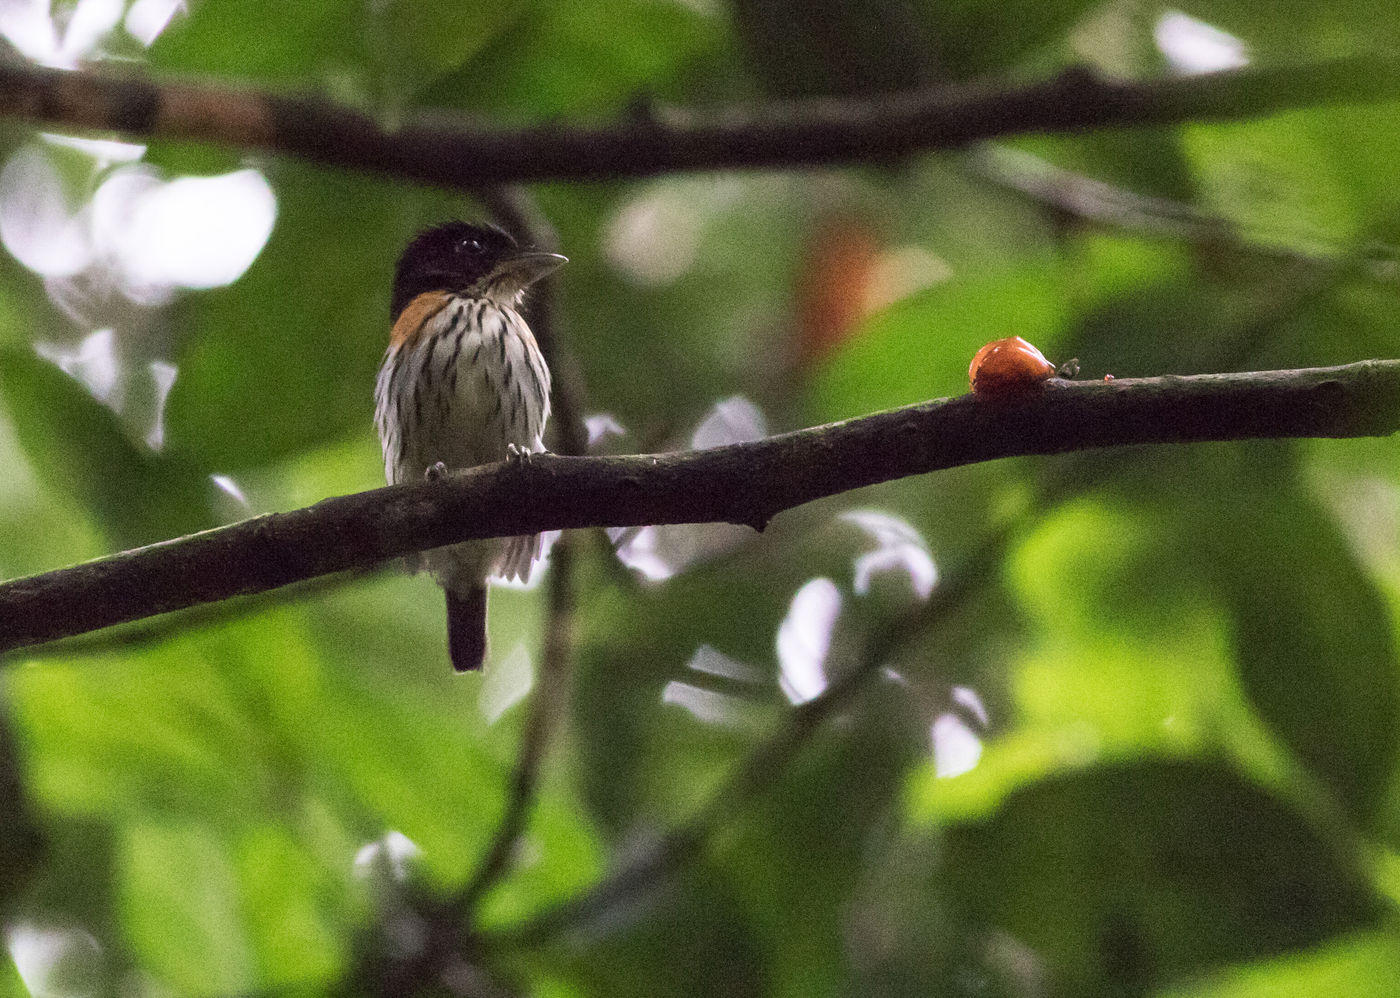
435,472
517,455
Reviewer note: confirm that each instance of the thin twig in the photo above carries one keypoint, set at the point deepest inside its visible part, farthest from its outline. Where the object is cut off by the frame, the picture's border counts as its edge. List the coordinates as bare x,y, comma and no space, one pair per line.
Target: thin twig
746,483
1093,201
451,942
761,769
462,153
546,707
517,211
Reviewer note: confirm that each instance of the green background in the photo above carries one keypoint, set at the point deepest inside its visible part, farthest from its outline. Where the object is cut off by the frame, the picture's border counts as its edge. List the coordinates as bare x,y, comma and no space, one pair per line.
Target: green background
1187,781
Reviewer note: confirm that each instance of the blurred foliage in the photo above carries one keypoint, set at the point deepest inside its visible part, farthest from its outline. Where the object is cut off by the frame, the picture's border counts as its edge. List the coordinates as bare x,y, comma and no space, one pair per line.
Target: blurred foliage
1175,675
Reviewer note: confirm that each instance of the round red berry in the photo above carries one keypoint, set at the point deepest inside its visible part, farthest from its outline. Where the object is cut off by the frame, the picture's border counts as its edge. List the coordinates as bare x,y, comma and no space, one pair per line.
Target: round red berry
1009,365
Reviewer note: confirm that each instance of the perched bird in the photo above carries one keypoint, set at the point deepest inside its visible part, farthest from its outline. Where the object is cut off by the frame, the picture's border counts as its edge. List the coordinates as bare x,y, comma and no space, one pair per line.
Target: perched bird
463,383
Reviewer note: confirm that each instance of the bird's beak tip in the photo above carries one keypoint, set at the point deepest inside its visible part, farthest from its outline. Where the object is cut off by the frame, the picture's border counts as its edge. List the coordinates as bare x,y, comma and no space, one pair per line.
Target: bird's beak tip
529,266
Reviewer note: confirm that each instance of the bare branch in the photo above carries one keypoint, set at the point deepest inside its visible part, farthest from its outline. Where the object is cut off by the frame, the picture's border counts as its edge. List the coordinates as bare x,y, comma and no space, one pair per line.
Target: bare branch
462,153
744,483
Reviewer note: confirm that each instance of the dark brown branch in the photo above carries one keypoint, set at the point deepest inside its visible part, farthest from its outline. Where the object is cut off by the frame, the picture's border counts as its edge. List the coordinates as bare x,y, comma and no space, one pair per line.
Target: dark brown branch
744,483
461,153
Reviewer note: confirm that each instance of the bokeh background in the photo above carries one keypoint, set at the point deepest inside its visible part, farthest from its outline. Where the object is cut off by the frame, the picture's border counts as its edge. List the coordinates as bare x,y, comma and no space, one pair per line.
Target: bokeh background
1130,719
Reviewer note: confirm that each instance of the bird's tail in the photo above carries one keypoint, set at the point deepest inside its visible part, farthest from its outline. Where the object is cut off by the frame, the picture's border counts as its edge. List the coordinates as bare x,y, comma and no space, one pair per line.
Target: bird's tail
466,627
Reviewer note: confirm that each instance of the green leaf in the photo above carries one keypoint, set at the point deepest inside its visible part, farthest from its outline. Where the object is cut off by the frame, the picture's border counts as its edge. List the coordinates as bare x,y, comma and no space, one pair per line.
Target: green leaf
806,848
835,46
973,38
1363,965
11,984
1220,313
180,908
847,47
1313,640
278,42
920,348
1311,180
126,733
691,942
376,54
1127,876
282,902
285,358
1148,162
21,844
629,739
413,42
685,340
561,858
1314,643
578,58
77,446
385,753
1284,30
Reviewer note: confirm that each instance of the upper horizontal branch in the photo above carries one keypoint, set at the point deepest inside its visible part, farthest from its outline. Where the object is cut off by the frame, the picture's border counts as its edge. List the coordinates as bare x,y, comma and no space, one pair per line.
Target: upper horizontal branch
456,152
742,483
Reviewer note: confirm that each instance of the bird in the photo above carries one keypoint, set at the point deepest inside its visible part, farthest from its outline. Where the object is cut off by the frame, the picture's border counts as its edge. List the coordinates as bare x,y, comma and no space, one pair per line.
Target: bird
463,383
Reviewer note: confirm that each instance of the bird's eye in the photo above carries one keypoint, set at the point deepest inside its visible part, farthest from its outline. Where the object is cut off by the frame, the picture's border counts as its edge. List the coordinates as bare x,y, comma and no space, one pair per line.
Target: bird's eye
470,245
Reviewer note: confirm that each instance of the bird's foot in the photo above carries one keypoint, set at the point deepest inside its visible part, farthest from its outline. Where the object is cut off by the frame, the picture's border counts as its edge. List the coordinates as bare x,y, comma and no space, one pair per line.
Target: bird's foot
518,455
435,472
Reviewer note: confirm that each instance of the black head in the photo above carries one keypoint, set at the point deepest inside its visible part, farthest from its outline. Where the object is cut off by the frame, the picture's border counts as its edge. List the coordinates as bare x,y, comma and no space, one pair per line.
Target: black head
456,256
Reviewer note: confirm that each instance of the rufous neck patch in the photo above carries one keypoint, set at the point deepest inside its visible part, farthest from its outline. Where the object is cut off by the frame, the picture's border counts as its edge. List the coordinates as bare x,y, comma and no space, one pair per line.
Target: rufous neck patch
416,315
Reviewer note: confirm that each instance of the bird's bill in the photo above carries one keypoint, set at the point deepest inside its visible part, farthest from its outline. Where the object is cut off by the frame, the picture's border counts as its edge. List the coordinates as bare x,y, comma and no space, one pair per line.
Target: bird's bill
519,270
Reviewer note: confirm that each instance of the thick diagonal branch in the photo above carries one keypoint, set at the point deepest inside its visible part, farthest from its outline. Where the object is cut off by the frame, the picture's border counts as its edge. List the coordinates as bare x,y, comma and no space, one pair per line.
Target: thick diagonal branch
744,483
462,153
